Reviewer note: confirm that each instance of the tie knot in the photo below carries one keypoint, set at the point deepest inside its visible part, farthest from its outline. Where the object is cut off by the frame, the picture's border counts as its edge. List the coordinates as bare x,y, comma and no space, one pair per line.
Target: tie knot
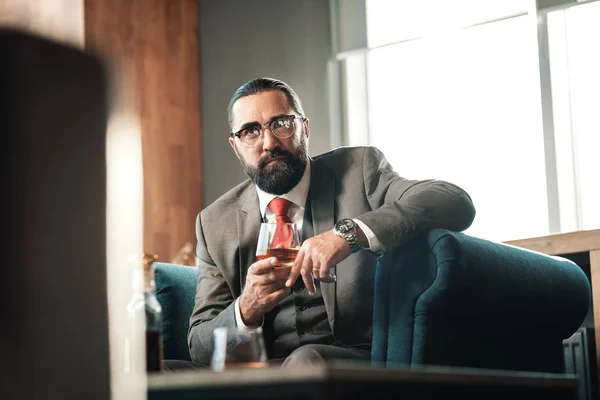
280,207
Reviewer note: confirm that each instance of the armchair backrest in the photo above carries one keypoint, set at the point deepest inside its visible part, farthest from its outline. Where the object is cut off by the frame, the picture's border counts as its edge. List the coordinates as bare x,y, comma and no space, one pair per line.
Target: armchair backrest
175,291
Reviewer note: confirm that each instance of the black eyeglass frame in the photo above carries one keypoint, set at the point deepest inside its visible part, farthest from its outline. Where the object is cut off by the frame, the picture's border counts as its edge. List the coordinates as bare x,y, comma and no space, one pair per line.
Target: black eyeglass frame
292,117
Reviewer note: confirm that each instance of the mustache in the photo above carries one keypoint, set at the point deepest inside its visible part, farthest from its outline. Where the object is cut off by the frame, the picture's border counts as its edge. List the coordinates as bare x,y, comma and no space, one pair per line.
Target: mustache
271,155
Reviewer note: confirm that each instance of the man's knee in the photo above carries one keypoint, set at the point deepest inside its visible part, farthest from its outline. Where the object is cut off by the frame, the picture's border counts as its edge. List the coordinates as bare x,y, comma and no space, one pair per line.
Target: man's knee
304,355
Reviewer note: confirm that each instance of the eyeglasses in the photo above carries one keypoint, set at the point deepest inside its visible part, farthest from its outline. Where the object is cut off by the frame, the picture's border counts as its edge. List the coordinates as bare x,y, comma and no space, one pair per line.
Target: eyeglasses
282,127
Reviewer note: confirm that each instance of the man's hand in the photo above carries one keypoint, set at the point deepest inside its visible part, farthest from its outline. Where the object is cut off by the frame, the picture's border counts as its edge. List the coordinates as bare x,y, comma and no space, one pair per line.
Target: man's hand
316,257
265,286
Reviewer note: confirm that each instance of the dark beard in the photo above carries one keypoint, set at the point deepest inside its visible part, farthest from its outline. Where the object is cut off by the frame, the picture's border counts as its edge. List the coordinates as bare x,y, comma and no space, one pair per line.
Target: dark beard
283,175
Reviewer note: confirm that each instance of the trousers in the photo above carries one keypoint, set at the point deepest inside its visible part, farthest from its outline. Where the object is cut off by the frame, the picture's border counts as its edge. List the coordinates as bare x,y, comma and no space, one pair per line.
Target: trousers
309,354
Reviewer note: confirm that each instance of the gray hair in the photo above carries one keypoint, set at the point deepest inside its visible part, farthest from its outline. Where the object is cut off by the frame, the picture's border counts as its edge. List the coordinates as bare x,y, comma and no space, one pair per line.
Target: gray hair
259,85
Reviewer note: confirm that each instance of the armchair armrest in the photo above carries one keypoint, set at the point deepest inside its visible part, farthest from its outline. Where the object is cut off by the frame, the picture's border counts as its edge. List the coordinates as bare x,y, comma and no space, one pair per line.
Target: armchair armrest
447,298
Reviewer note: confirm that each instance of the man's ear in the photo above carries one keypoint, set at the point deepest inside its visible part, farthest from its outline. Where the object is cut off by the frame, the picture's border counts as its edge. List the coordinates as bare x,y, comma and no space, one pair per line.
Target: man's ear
232,144
307,127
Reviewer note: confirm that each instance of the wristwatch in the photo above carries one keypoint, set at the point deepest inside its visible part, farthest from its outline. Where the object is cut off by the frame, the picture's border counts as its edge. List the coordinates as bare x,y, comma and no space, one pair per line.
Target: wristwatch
346,229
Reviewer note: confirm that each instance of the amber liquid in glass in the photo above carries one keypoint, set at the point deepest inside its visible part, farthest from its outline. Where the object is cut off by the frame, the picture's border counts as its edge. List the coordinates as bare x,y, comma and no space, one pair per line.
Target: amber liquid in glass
286,257
250,364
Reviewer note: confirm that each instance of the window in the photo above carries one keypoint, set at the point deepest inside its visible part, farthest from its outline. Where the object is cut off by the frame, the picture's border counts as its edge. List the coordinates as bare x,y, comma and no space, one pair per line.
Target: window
574,36
456,91
390,21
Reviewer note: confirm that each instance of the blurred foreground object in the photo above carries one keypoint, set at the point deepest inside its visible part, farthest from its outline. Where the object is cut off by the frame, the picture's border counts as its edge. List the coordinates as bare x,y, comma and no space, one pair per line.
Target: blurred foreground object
238,348
144,350
53,297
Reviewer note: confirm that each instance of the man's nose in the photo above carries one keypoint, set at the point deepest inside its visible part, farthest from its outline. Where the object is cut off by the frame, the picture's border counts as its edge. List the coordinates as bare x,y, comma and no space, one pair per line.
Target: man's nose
270,141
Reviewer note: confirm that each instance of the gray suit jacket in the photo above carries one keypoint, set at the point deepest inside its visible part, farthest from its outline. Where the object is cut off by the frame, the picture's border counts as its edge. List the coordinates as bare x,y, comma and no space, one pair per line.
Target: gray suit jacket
349,182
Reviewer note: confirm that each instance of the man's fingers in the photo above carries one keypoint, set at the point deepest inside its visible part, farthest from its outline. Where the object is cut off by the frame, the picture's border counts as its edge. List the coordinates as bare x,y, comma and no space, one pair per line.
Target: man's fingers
277,277
309,282
263,266
280,274
331,278
273,288
270,281
323,273
295,271
316,269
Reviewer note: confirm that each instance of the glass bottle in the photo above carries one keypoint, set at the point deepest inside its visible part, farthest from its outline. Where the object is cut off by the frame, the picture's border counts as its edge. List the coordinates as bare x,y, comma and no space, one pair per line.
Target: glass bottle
143,344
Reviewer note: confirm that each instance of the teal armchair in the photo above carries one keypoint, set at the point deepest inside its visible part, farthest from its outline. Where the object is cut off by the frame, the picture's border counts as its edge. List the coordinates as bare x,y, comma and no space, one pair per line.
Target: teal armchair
448,298
445,298
175,291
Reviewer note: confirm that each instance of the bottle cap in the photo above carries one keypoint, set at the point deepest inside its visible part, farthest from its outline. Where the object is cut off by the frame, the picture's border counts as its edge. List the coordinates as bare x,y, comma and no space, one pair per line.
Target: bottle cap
143,270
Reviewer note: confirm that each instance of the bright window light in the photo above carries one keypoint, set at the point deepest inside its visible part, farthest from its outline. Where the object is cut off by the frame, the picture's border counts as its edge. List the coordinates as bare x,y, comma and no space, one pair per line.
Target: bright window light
465,107
574,36
390,21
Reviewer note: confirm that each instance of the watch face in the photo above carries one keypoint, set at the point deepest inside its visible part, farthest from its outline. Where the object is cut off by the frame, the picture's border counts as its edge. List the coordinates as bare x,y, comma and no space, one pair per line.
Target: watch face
345,225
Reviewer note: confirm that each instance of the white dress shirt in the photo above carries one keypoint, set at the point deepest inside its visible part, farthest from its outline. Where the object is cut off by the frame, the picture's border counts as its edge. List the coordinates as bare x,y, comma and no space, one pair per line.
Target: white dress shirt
296,214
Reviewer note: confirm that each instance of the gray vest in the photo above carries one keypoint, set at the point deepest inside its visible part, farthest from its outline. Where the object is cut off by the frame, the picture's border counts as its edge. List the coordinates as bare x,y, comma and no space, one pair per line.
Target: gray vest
299,318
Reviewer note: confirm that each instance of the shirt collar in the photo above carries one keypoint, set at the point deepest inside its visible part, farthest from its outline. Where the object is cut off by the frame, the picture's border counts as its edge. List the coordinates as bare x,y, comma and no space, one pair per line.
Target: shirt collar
297,195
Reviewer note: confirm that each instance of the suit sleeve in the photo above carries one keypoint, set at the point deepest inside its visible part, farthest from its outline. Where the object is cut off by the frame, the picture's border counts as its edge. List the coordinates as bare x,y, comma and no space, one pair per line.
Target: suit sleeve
402,208
213,304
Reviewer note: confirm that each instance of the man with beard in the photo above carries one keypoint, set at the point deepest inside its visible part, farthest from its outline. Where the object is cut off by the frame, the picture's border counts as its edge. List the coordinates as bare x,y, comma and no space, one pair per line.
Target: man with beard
351,206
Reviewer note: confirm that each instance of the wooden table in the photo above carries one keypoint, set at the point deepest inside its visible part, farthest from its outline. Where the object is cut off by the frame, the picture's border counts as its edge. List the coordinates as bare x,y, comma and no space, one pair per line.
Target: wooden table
571,243
360,381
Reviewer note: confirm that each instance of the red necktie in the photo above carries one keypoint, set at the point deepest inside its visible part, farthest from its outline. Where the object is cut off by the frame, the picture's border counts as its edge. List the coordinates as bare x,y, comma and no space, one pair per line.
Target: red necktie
282,236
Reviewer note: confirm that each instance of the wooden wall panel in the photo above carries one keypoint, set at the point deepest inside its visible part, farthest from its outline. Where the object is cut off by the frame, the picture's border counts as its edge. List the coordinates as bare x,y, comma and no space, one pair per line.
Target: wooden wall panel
155,44
61,20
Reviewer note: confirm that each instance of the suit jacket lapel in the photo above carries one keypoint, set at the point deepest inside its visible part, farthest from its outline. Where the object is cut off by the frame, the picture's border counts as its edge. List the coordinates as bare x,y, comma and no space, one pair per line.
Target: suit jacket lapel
248,225
322,200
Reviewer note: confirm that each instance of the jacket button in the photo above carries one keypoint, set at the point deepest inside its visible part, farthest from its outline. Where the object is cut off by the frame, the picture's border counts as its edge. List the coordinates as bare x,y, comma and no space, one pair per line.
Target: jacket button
301,307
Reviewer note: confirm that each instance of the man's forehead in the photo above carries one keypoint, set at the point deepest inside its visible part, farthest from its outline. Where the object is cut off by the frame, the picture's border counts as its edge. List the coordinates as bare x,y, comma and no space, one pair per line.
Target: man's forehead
260,106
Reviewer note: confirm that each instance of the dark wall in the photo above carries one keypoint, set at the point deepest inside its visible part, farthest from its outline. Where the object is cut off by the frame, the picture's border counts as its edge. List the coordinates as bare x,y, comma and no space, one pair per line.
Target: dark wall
241,40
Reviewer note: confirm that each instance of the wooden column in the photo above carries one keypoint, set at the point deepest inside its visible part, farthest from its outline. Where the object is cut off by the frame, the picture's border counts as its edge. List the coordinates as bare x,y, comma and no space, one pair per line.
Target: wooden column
155,44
